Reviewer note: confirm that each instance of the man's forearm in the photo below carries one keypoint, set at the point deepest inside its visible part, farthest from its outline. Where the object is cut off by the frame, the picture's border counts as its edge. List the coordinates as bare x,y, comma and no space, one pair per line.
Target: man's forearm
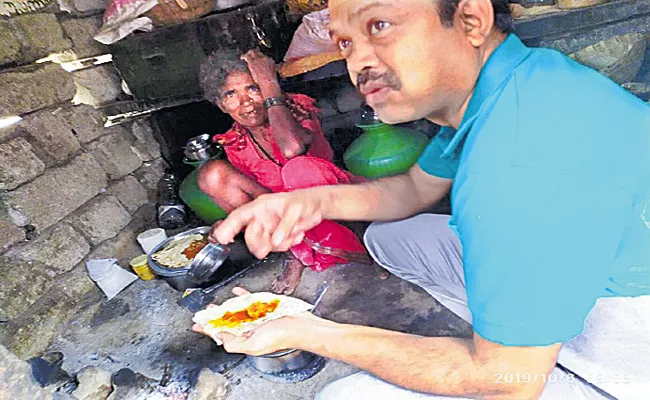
386,199
442,365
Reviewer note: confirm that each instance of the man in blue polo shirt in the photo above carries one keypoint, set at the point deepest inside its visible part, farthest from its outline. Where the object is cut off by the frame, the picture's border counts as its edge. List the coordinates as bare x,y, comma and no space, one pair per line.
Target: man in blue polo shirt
547,251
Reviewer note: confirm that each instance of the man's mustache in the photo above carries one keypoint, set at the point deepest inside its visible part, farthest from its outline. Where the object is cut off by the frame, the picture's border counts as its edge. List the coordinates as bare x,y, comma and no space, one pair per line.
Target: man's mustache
388,78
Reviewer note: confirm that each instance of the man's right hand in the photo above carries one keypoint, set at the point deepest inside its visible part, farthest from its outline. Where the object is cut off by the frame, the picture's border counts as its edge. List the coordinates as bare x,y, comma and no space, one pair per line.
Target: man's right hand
272,222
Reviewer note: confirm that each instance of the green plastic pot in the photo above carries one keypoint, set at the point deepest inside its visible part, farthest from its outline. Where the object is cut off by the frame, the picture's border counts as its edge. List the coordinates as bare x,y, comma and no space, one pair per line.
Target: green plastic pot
196,200
382,149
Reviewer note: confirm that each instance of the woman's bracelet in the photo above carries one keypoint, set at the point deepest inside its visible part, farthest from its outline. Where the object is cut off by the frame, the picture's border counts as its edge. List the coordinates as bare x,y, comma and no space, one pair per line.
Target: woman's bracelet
274,101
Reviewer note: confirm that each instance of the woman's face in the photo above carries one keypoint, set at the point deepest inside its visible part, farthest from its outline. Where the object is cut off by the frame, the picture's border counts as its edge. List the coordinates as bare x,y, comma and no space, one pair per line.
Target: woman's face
241,98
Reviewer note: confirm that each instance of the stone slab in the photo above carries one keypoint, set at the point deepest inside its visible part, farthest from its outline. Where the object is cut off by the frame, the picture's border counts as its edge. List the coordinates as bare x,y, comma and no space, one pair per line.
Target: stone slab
150,173
115,154
81,32
25,91
130,193
97,86
18,164
124,247
209,386
145,145
22,284
16,380
10,233
58,192
90,5
10,49
51,137
45,317
41,35
101,219
86,122
94,384
60,248
76,283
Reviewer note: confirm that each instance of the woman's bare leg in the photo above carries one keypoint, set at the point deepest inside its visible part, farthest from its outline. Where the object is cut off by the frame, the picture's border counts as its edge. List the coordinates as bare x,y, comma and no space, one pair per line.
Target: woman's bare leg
290,276
229,189
226,186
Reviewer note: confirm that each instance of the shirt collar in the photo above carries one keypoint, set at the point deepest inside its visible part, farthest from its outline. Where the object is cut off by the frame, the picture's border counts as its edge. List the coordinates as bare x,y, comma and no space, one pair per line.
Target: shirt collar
494,74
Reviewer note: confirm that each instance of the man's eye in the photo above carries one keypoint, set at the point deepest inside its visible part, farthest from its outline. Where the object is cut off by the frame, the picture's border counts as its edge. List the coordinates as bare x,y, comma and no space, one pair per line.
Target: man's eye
228,95
378,26
254,88
344,44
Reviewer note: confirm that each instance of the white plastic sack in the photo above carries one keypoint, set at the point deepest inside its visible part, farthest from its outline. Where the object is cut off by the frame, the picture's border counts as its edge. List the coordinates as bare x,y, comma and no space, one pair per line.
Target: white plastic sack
123,17
312,36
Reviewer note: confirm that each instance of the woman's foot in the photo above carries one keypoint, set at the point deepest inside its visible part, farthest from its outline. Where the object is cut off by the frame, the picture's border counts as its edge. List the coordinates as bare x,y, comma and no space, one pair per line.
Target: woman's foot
290,276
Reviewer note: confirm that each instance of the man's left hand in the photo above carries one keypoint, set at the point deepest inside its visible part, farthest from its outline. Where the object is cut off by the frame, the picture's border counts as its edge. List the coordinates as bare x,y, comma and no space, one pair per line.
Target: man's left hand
262,70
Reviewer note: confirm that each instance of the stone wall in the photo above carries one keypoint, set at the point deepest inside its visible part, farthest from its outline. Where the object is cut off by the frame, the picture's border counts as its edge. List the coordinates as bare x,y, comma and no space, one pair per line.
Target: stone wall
70,189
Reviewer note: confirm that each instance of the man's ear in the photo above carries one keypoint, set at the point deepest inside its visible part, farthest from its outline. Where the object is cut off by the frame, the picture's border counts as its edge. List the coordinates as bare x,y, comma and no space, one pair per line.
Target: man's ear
476,17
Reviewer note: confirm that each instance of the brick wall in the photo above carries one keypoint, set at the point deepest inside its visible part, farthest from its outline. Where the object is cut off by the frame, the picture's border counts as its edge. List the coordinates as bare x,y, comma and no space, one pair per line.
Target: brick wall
70,189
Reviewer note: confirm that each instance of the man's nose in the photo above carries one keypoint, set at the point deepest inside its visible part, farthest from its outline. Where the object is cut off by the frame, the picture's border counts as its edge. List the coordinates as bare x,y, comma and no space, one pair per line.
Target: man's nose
362,57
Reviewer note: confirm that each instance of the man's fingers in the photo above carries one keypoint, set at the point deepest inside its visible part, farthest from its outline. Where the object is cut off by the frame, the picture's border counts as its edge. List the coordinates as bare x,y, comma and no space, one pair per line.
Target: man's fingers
286,225
211,237
226,231
257,241
197,328
225,337
232,343
239,291
296,238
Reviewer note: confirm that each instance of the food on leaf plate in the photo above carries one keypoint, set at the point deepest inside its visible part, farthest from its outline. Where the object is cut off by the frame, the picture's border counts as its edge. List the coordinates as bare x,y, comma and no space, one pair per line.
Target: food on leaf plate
244,313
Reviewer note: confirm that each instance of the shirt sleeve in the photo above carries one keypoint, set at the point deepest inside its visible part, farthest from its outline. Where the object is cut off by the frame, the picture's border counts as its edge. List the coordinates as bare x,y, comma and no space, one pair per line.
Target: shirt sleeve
538,249
432,161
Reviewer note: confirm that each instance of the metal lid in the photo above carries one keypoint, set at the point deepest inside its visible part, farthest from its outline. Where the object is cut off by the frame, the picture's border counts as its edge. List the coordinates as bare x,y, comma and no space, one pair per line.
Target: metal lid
202,148
367,116
208,261
198,142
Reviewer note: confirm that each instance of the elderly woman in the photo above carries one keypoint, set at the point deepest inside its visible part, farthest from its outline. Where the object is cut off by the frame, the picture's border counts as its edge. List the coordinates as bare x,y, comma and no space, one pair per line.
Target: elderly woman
276,144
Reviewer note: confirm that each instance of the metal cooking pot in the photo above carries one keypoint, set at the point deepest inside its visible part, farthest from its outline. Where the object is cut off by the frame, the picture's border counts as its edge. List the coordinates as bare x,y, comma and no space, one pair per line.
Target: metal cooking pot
219,5
283,361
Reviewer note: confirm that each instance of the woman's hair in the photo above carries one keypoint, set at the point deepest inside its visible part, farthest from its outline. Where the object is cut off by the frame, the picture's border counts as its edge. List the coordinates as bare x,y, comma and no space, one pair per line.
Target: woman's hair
216,68
502,15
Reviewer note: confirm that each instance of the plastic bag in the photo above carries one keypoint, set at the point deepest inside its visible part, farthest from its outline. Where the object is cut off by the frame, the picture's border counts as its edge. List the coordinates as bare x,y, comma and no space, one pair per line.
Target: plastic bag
123,17
312,36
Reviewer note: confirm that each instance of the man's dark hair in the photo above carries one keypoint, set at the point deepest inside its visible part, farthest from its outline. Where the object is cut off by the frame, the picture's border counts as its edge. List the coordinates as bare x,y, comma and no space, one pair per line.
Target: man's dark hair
502,16
216,68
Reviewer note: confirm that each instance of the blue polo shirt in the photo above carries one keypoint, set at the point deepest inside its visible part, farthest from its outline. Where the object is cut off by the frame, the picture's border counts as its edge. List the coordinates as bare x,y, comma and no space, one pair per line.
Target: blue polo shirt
551,194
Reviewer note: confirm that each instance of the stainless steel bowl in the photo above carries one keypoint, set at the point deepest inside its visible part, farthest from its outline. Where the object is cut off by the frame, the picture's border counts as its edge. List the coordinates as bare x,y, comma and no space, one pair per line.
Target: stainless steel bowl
180,278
